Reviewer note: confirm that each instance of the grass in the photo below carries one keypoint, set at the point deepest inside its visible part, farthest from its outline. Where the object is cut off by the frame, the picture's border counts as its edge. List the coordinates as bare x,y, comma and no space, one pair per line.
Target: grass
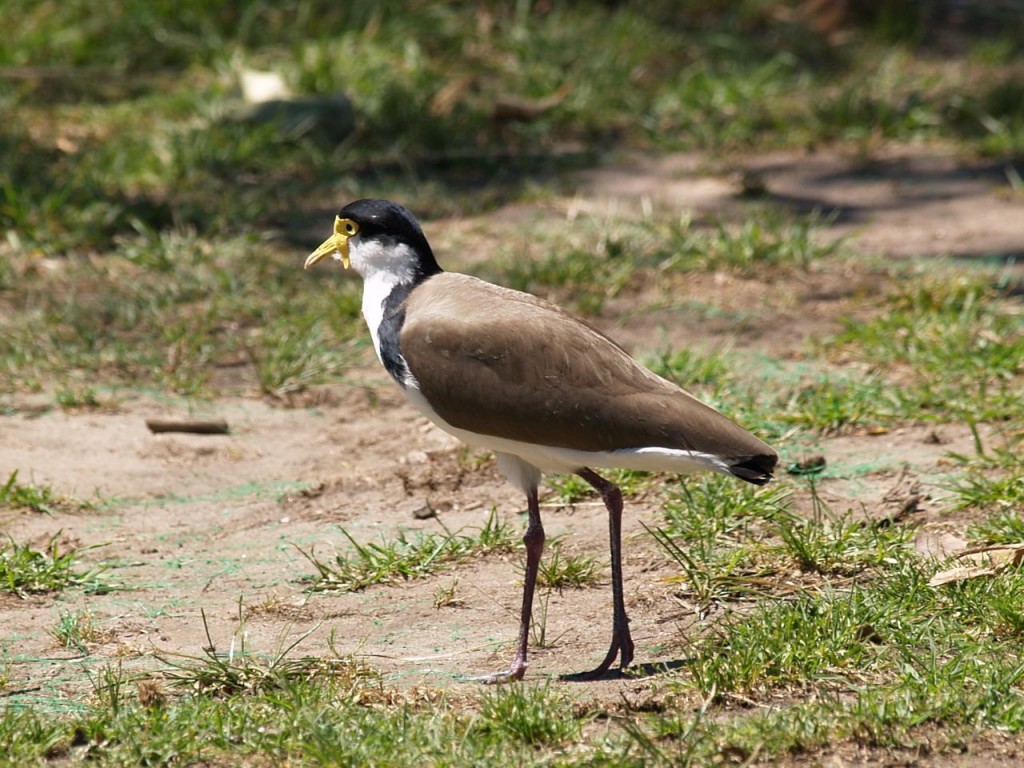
150,240
78,398
239,671
404,557
534,716
77,630
839,545
174,322
829,620
883,660
320,716
885,655
38,498
26,571
858,610
896,630
691,369
585,265
709,524
707,510
123,155
906,716
571,489
1003,527
838,404
288,359
447,596
558,571
985,491
939,325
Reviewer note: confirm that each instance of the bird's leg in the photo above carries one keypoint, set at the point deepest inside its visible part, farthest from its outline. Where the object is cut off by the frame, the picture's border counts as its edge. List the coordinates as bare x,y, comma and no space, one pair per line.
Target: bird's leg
534,541
622,641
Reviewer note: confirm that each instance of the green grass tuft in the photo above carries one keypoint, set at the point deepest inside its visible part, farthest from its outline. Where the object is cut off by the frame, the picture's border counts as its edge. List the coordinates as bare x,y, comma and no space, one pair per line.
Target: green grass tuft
227,674
77,630
558,571
404,557
14,495
536,716
25,571
937,326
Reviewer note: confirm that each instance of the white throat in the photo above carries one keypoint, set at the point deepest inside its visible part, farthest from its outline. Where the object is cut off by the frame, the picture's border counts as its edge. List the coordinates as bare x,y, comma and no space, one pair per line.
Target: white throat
383,269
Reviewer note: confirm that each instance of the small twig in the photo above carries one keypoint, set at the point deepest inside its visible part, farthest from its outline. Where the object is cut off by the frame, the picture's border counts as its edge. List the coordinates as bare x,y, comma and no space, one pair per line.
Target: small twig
19,691
217,427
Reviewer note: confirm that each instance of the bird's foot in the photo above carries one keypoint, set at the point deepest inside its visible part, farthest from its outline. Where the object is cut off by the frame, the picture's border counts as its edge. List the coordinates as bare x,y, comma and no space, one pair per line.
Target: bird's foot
621,647
513,674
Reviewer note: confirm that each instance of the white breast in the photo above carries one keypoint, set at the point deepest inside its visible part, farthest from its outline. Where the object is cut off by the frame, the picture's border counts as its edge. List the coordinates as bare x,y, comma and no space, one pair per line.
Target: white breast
375,290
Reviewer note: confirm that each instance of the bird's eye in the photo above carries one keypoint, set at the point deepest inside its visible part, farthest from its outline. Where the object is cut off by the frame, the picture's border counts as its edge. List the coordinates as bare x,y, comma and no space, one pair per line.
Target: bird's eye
345,227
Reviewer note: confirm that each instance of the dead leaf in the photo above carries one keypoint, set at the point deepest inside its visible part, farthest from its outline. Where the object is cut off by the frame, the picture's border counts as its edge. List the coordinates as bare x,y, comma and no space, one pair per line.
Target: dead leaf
958,574
997,556
980,561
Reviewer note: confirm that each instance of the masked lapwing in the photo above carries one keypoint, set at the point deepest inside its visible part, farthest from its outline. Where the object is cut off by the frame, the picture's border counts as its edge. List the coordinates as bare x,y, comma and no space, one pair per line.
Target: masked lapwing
544,390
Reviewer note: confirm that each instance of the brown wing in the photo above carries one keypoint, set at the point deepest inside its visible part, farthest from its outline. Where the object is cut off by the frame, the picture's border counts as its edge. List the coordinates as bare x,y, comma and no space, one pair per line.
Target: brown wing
499,362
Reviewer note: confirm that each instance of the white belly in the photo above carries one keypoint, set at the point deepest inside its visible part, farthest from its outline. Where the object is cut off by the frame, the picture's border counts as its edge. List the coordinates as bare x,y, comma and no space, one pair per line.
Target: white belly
560,460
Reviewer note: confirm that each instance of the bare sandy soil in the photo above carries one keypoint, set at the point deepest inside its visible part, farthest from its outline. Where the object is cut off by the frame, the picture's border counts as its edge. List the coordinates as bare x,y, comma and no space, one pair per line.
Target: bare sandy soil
214,524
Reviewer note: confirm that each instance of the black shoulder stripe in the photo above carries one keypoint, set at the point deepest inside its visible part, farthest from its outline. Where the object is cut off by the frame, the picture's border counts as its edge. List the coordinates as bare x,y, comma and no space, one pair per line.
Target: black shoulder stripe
389,330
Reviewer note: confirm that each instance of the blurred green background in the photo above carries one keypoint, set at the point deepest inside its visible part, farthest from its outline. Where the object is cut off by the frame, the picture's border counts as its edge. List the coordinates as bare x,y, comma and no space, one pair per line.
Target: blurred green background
123,117
150,221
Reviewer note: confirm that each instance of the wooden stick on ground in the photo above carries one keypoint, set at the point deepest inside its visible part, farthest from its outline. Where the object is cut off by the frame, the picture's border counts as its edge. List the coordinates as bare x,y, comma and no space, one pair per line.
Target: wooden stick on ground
196,427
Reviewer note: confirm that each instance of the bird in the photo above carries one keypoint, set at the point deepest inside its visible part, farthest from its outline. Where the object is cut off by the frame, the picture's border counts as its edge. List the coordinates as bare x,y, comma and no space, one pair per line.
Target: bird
546,391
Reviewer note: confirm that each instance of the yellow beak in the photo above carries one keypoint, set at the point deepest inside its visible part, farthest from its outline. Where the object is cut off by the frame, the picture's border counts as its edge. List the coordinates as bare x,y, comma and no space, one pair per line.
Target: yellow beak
336,243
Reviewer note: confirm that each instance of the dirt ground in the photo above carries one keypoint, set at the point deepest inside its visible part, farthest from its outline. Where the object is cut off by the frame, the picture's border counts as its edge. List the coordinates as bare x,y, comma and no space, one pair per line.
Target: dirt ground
213,523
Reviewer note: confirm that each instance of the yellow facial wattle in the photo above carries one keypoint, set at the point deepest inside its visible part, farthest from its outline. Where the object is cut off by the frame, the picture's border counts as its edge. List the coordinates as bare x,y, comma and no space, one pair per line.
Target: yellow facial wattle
336,243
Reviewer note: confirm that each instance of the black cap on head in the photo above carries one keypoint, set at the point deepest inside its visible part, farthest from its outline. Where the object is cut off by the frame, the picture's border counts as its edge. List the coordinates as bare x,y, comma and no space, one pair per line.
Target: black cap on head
391,223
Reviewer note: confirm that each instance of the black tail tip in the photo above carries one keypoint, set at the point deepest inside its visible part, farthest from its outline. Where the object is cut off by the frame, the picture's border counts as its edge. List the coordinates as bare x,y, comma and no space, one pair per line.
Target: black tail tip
756,469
